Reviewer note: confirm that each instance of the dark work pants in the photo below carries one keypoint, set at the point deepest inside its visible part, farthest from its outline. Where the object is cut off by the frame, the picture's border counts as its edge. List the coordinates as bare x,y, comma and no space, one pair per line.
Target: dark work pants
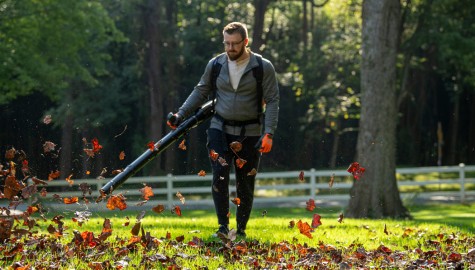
219,142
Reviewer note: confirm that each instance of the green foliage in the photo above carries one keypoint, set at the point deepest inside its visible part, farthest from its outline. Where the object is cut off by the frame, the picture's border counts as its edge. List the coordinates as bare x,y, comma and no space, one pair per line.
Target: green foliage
47,45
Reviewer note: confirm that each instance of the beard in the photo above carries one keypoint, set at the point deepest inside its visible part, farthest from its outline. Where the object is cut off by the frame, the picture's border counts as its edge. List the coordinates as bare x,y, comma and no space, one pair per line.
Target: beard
234,55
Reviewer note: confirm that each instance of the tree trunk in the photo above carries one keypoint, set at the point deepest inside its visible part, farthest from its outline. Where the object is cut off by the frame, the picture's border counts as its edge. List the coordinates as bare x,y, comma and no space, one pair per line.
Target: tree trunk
260,8
152,18
376,194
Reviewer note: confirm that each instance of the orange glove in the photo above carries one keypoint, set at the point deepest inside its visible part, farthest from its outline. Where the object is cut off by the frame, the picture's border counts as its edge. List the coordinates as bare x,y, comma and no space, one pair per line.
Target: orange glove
266,143
174,120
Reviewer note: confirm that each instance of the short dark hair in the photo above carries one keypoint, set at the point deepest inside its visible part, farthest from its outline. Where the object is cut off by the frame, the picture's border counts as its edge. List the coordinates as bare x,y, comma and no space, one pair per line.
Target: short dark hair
236,27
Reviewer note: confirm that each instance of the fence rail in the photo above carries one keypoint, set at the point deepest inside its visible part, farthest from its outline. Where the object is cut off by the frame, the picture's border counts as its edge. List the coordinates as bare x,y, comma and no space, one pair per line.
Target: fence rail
272,187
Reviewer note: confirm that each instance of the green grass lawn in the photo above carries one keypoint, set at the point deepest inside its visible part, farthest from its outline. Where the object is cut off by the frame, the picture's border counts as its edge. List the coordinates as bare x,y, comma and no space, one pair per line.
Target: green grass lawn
167,240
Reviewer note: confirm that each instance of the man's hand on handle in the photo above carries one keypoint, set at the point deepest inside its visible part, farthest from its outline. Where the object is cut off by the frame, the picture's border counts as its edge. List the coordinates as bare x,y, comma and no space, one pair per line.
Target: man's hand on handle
265,143
174,120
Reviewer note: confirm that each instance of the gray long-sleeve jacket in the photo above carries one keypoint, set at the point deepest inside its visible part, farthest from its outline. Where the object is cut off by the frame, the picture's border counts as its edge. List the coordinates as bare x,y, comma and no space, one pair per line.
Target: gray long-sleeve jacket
240,104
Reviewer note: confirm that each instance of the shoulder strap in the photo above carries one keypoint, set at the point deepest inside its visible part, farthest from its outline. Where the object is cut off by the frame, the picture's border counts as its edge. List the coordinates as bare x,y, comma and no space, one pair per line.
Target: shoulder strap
258,73
216,69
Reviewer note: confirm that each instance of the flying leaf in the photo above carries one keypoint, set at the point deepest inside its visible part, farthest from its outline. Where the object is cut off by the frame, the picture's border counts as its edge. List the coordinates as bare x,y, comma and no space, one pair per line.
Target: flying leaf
151,146
116,201
236,146
47,119
222,161
69,180
176,210
159,208
252,172
301,176
202,173
240,162
54,175
291,224
37,181
213,155
264,213
12,187
122,155
236,201
70,200
182,145
147,192
310,205
332,179
340,218
316,220
305,229
48,147
180,197
356,170
96,147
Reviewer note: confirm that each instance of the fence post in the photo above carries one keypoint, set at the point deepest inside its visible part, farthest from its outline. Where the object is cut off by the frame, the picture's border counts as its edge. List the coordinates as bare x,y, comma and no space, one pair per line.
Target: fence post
313,181
170,190
462,182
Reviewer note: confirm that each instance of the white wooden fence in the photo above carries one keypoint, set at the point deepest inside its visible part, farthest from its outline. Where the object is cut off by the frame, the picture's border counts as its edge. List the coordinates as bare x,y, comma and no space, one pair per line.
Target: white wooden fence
273,188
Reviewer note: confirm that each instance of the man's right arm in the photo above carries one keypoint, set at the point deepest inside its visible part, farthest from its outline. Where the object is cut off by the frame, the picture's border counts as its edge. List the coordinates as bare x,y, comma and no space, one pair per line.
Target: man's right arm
199,95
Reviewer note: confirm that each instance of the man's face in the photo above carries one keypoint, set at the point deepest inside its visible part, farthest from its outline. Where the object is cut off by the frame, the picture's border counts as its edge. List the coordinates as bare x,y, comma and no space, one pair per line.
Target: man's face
234,45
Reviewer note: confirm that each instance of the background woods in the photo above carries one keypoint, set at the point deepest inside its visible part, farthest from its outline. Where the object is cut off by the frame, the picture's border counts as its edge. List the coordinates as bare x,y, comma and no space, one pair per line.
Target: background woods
113,70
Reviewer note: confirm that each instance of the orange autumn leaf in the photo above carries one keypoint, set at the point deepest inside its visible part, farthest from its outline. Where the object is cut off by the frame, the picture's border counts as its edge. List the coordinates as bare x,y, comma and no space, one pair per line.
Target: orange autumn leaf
182,145
147,192
236,201
116,201
158,209
69,180
70,200
122,155
310,205
240,162
202,173
213,155
53,175
305,229
176,210
151,146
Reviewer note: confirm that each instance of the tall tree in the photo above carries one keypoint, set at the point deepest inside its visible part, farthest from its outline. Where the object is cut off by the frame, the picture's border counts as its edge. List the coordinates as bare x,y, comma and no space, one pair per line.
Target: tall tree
376,194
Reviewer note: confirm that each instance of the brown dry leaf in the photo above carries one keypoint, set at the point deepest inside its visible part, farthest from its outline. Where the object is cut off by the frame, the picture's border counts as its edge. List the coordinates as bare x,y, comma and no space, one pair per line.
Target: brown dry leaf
252,172
48,147
332,179
310,205
222,161
302,176
47,119
305,229
180,197
182,145
122,155
236,146
10,154
159,208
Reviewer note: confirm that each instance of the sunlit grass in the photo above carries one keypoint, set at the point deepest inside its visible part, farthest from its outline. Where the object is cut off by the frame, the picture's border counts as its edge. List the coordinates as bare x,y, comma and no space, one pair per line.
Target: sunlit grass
267,228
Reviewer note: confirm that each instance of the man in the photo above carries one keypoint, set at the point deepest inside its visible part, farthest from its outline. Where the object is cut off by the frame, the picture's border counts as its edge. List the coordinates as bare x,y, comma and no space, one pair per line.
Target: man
237,134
